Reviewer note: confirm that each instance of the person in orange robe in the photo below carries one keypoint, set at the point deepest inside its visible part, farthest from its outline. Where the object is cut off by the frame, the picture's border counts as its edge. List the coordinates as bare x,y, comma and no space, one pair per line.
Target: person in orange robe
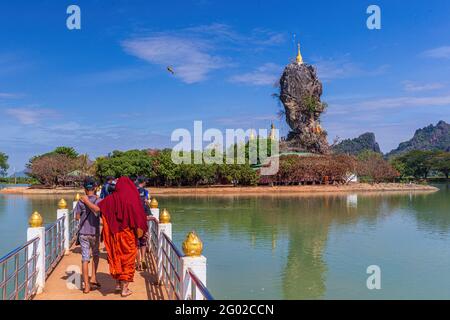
124,221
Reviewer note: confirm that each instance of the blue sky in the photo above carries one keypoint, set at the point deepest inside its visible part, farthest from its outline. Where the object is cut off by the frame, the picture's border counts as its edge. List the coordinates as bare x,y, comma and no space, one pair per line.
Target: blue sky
106,86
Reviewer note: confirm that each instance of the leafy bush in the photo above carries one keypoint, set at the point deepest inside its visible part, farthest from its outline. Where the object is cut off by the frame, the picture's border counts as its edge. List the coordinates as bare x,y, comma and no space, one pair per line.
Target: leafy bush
295,169
61,167
373,168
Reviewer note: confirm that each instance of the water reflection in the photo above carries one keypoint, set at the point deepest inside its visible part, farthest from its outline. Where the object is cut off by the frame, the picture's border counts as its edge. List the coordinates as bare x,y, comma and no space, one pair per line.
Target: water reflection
15,211
298,247
305,221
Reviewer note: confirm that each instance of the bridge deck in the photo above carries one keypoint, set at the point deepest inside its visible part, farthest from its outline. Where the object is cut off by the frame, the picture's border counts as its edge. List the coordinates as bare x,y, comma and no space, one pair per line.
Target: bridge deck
144,286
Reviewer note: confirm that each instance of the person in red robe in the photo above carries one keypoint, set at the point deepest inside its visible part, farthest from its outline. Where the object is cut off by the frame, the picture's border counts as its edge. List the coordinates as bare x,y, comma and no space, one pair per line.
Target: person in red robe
124,221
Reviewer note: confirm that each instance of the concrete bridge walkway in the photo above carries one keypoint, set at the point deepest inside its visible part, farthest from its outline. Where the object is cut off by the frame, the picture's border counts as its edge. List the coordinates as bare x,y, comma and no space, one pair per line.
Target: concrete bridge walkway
144,286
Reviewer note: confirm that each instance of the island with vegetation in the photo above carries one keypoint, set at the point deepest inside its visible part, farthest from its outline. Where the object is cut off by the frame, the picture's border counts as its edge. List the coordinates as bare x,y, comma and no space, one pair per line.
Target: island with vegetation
64,169
306,160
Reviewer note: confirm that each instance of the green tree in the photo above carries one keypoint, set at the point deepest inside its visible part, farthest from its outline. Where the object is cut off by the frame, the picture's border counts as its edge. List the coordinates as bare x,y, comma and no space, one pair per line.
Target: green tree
417,163
166,172
260,147
128,163
400,166
441,163
237,174
3,164
366,155
67,151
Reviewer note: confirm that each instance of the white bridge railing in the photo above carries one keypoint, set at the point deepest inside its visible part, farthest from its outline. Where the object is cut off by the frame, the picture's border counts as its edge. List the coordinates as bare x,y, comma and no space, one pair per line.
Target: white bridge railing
54,244
19,271
182,274
25,269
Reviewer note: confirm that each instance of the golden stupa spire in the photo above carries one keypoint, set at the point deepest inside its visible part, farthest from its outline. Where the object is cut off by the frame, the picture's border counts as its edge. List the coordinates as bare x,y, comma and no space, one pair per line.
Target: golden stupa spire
299,55
252,135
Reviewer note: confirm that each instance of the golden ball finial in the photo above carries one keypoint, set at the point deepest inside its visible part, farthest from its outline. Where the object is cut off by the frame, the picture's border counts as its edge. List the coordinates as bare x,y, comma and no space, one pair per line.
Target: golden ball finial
153,203
35,220
192,245
62,204
77,197
164,217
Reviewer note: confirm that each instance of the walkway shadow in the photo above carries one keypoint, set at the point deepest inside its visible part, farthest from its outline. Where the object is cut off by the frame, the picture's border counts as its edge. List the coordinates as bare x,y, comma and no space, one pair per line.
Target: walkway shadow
155,291
148,278
108,284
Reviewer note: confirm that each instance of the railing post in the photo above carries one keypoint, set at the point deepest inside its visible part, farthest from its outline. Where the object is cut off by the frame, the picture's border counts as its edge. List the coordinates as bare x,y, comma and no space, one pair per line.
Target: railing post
64,212
165,226
194,260
155,212
36,230
75,202
154,208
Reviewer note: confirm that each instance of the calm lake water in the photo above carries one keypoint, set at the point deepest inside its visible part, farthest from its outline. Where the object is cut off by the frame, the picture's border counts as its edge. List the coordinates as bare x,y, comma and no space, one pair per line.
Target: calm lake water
299,247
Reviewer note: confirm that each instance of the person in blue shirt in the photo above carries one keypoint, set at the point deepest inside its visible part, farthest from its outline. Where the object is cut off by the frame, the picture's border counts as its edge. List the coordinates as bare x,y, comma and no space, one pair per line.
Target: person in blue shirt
107,187
142,242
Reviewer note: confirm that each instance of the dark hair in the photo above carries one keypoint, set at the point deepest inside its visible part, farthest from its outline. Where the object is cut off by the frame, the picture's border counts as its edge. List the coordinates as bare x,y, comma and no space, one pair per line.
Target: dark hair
108,178
140,180
89,184
111,187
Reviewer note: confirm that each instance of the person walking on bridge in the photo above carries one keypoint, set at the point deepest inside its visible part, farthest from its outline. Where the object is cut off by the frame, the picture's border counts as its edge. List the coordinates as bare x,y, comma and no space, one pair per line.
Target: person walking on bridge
89,235
124,222
142,242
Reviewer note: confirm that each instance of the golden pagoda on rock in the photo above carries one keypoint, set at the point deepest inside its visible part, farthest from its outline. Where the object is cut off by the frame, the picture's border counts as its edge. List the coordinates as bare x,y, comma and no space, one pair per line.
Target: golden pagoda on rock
299,55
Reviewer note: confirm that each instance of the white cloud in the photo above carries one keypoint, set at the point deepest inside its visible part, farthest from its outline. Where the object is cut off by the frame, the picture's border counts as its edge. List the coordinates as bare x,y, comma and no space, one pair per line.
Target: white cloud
411,86
190,58
438,53
342,69
195,52
392,119
29,116
7,95
397,102
226,35
367,106
267,74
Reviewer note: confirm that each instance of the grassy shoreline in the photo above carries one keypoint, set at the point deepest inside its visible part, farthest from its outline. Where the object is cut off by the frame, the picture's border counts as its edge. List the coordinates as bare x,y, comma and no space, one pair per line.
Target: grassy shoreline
225,190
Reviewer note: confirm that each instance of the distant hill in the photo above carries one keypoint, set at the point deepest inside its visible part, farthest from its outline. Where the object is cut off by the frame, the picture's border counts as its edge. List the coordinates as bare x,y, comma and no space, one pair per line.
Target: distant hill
428,138
355,146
